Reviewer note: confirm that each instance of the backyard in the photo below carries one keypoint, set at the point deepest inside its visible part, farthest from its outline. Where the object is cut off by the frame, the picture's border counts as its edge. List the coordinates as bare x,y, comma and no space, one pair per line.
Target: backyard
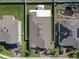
39,0
11,0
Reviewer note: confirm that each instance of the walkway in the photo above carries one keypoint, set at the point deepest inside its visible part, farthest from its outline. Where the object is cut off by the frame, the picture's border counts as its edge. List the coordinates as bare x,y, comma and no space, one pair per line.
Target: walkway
4,57
16,52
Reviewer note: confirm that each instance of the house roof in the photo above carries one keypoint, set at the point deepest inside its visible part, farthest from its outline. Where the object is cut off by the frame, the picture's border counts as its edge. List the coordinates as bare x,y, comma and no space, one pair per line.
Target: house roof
70,23
42,21
9,29
71,40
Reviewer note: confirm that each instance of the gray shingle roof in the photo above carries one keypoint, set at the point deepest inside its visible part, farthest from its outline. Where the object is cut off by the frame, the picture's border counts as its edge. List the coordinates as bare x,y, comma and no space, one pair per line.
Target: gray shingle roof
71,40
43,40
9,30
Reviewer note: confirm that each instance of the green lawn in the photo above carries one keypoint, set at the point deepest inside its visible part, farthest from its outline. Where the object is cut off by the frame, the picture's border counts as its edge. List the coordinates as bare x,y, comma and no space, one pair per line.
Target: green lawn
29,7
4,51
11,0
39,0
7,53
34,53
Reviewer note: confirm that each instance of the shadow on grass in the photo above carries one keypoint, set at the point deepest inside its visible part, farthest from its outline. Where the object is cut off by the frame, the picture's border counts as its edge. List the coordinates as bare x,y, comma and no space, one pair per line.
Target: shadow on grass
27,53
5,46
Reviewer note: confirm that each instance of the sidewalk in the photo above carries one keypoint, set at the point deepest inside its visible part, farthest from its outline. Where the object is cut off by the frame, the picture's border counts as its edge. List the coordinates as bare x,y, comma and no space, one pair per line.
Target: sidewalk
5,57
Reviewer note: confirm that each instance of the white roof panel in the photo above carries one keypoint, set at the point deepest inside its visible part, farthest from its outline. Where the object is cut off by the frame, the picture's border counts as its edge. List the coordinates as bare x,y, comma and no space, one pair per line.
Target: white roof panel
42,13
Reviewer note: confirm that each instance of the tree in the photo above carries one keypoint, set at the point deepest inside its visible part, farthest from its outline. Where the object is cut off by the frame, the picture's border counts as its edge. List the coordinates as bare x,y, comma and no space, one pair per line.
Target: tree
73,53
61,49
54,52
70,55
27,53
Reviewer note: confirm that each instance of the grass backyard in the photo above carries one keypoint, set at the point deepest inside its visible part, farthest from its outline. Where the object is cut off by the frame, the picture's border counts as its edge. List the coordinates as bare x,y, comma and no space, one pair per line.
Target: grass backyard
33,7
39,0
11,0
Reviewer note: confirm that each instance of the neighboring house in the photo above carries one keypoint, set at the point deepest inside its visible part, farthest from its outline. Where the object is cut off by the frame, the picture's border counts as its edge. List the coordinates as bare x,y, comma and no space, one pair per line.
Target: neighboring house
10,30
69,33
40,28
